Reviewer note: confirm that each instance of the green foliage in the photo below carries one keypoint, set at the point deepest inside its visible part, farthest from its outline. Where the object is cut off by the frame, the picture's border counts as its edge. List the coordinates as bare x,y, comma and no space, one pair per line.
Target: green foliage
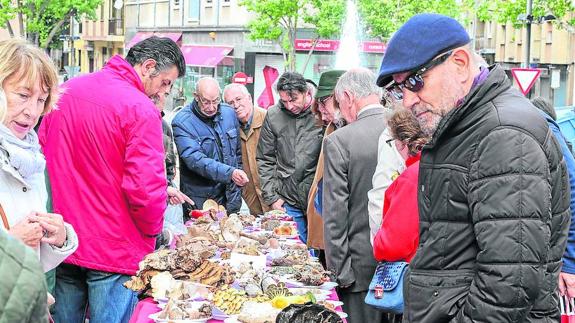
504,11
45,18
383,17
278,20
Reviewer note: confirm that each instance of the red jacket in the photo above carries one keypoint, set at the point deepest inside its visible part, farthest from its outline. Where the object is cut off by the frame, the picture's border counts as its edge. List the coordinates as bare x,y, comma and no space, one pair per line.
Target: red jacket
398,237
105,159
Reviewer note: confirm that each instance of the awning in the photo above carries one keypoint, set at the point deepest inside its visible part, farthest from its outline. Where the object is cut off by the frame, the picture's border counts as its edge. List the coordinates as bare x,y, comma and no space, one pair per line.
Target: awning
206,56
144,35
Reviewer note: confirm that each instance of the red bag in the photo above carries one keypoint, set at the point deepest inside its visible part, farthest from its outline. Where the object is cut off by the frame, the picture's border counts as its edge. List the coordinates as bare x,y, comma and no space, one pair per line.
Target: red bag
567,306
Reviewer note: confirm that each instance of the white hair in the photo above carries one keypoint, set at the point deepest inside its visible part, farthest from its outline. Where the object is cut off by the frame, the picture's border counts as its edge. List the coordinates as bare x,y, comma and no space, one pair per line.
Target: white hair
360,82
242,88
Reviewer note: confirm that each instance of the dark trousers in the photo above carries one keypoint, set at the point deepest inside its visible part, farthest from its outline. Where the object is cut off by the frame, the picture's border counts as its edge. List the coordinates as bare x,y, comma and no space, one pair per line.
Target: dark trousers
358,311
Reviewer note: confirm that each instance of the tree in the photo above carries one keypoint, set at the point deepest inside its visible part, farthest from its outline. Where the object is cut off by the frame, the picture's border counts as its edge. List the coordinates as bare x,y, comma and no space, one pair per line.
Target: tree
41,20
383,17
504,11
278,20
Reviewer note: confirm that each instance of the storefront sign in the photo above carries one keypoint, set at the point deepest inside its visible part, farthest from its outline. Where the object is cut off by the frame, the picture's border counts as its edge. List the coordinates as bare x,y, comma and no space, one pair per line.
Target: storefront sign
320,46
374,47
328,45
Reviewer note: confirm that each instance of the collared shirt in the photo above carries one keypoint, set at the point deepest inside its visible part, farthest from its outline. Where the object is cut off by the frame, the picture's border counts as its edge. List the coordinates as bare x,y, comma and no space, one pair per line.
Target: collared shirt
246,126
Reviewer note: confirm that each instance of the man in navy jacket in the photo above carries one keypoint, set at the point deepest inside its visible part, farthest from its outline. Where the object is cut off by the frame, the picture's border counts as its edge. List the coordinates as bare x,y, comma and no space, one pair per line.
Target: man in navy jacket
567,275
206,133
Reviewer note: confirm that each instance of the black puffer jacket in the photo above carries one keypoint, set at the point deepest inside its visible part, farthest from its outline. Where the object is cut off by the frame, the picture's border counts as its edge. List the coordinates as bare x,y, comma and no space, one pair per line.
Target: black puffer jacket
494,214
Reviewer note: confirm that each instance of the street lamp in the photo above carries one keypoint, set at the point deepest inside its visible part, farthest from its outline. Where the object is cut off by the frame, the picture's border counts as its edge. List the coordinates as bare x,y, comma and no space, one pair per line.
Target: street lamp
529,19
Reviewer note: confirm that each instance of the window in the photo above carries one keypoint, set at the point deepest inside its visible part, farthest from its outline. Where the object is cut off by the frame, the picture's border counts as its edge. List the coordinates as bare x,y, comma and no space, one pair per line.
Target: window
549,38
194,10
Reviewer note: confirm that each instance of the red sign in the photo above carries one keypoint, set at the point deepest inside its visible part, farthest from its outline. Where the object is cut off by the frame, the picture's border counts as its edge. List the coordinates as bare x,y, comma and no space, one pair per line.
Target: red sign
320,46
266,99
525,78
374,47
333,45
242,78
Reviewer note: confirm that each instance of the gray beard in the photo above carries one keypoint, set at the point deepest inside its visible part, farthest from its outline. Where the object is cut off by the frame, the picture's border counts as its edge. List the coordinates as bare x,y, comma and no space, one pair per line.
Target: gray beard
429,129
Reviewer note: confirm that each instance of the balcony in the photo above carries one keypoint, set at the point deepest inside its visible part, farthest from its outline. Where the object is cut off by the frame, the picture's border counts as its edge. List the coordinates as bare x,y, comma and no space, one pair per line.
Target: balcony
116,26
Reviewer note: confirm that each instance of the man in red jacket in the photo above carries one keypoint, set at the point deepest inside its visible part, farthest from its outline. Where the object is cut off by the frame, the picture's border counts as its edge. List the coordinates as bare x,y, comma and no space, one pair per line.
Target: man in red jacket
105,159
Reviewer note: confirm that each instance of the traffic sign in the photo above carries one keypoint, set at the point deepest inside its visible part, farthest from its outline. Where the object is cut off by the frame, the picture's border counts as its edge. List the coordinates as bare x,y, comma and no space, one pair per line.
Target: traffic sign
242,78
525,78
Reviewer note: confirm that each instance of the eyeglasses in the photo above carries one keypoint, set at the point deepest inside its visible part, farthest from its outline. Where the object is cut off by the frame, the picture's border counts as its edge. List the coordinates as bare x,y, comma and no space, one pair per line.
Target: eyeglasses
414,82
206,102
323,100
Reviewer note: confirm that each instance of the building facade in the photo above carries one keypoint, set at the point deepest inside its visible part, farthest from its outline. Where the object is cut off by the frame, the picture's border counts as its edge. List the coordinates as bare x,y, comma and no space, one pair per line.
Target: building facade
214,39
91,43
552,51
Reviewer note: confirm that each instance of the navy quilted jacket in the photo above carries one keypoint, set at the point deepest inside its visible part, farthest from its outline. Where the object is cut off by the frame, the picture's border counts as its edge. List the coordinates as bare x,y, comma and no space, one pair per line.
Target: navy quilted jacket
209,151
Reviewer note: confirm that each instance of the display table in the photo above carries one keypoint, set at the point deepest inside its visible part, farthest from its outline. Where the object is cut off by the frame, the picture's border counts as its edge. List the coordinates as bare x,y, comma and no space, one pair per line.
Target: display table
148,306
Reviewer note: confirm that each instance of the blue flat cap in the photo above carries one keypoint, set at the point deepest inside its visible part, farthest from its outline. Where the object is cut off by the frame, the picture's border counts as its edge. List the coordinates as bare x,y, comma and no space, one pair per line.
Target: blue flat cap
418,41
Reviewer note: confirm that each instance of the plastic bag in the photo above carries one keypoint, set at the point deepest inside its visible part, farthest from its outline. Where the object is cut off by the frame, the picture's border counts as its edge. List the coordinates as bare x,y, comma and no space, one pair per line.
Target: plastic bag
174,219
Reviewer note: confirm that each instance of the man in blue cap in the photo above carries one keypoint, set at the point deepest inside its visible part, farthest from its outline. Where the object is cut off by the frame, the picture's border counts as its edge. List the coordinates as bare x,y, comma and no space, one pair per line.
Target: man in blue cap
493,190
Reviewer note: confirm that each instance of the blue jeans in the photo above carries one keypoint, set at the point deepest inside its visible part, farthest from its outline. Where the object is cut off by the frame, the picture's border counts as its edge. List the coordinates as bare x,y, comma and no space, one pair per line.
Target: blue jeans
300,219
80,289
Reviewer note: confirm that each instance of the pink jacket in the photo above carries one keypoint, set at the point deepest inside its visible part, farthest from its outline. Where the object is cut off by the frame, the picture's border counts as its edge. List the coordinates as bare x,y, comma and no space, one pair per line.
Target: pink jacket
105,159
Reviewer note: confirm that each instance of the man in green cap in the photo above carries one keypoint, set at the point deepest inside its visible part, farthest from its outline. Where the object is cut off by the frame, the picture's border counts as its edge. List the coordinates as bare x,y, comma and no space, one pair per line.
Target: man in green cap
326,110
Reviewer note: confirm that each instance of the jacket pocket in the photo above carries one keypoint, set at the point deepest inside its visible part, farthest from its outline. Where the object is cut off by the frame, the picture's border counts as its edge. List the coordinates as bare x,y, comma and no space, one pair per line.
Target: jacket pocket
435,296
232,135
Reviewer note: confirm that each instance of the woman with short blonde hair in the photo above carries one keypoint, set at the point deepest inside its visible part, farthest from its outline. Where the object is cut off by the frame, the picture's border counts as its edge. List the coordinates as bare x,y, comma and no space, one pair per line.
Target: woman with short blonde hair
29,83
28,62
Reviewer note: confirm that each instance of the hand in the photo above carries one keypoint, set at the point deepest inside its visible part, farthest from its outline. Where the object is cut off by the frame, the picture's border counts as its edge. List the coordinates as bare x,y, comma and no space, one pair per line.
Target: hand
53,224
240,177
175,196
567,284
50,300
279,205
28,232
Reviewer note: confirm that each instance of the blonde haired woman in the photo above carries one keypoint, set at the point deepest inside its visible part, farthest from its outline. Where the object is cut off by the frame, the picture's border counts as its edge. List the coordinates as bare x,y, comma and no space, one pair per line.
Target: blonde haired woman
30,84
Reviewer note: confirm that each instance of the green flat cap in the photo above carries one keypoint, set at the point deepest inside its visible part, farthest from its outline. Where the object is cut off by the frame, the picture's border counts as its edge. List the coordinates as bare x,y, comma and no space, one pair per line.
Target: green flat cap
327,82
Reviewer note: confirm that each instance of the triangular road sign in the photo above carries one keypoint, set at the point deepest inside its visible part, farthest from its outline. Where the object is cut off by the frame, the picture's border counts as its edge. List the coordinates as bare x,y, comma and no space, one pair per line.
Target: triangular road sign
525,78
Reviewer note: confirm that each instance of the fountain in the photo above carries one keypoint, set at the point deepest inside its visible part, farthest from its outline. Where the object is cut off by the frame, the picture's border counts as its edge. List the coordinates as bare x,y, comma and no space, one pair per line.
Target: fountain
348,54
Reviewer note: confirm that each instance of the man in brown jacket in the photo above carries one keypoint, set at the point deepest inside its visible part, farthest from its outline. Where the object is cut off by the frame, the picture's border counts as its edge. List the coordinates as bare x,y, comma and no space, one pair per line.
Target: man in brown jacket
327,111
251,120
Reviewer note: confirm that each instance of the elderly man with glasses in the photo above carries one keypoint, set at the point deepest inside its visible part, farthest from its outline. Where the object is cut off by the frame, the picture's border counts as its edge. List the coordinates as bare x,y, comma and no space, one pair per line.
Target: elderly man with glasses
493,188
251,120
206,133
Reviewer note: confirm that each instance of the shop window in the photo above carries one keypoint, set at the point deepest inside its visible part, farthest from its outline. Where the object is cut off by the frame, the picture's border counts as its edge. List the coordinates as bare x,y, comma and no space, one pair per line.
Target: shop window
194,10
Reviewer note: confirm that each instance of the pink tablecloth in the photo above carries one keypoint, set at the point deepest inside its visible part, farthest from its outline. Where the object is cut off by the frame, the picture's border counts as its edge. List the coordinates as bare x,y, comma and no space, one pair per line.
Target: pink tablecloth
148,306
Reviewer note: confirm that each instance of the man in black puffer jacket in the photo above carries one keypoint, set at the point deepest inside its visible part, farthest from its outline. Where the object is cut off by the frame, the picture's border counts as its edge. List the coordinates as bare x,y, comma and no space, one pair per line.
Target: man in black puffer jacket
493,190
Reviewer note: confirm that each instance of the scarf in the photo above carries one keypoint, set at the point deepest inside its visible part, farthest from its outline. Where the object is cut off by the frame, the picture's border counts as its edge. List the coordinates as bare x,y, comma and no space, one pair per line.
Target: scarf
24,154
